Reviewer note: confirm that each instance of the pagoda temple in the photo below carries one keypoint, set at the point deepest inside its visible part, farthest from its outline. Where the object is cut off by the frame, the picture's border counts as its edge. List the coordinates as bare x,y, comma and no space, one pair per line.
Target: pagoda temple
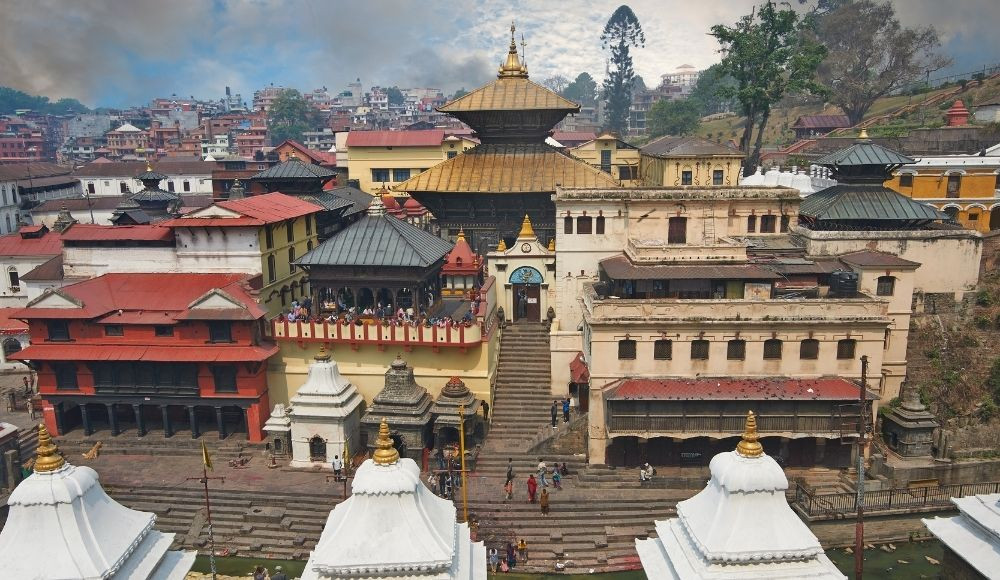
488,189
739,527
63,525
393,527
456,400
150,203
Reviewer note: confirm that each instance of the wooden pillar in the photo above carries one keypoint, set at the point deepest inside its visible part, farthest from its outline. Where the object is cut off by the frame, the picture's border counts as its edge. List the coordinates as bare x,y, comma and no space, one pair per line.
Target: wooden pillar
139,423
113,419
85,417
220,423
167,430
60,419
193,419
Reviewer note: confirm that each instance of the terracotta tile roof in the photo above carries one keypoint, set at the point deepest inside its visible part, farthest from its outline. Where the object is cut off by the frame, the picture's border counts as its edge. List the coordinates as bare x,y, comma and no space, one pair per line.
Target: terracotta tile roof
49,244
579,372
877,259
10,325
426,138
690,146
18,171
50,270
93,232
724,388
271,207
621,268
822,122
510,94
508,168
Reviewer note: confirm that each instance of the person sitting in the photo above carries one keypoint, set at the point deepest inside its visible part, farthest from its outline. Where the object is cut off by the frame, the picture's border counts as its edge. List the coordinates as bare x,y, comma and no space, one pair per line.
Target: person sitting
646,472
290,316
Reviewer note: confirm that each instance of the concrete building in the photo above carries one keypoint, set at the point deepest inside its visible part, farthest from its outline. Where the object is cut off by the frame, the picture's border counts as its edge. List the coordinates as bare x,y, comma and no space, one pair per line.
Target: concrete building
20,253
611,155
128,142
671,161
183,177
380,159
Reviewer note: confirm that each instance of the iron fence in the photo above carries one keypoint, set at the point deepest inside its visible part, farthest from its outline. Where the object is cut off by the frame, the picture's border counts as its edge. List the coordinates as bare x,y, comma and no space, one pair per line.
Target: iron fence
839,505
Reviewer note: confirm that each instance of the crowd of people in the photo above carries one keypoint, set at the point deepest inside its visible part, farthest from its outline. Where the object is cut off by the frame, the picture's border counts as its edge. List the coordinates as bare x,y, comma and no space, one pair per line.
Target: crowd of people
383,315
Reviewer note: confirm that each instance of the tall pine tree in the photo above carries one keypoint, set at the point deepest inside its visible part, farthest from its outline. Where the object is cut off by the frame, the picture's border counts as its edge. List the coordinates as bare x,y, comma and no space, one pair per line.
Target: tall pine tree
621,33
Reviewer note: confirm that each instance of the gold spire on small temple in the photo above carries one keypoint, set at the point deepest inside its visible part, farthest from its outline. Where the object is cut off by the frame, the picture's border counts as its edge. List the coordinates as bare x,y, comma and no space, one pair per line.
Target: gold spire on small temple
48,458
502,246
461,235
863,134
148,166
322,355
512,67
385,453
526,230
750,446
552,245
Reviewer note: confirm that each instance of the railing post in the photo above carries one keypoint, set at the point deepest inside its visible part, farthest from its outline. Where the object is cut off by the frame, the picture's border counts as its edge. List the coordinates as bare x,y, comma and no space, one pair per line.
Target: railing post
925,495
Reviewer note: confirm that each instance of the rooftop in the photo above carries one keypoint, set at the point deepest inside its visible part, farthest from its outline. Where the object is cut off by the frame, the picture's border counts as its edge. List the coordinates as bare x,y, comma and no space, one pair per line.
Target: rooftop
93,233
688,146
17,244
725,388
678,193
865,202
257,210
822,122
379,240
294,169
130,169
428,138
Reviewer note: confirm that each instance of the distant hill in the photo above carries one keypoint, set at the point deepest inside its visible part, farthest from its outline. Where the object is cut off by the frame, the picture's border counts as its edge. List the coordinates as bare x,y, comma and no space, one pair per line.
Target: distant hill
12,99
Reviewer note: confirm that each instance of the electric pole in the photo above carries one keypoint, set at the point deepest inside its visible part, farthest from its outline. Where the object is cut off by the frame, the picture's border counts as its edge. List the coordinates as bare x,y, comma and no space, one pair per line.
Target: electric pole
859,526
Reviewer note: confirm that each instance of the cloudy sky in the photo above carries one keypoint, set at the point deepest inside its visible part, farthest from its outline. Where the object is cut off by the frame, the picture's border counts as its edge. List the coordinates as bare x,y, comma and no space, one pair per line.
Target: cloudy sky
120,52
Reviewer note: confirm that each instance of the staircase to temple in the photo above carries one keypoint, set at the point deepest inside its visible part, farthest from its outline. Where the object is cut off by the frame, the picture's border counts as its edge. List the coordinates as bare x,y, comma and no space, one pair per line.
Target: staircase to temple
587,528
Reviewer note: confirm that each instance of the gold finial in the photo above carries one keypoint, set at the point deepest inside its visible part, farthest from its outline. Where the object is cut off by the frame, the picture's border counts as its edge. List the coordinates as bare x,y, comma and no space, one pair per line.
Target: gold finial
148,166
526,230
512,67
385,454
552,245
863,134
461,235
322,355
502,246
48,458
750,446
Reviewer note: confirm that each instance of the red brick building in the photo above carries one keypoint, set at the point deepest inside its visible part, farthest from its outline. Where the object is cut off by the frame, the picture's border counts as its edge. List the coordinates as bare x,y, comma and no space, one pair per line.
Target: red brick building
148,352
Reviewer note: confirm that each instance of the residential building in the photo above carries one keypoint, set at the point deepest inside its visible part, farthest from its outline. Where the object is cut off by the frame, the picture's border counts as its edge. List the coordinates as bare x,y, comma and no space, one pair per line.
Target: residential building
20,143
988,111
87,125
263,98
20,253
35,183
378,159
808,126
118,351
324,140
128,142
216,148
685,76
116,178
672,161
611,155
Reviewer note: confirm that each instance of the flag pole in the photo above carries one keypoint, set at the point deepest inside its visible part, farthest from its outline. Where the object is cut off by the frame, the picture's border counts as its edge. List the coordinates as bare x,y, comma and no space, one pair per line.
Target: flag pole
206,464
461,452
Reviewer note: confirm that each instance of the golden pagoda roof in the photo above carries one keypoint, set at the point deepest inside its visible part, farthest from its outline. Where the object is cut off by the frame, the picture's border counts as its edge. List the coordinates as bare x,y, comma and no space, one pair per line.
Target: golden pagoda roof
508,168
510,94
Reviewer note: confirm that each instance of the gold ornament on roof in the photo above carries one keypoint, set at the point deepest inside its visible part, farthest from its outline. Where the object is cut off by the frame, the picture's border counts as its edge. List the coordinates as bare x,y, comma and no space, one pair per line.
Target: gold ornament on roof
322,355
48,458
552,245
385,453
750,445
512,67
502,246
148,166
461,235
526,230
863,134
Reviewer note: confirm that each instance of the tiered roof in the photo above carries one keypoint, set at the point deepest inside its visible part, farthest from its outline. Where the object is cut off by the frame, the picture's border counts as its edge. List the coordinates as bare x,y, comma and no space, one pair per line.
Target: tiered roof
461,260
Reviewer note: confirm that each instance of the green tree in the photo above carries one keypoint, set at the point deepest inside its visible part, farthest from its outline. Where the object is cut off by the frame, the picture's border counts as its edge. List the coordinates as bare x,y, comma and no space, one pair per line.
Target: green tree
290,116
871,55
708,92
621,33
395,96
769,56
665,117
459,93
582,90
13,99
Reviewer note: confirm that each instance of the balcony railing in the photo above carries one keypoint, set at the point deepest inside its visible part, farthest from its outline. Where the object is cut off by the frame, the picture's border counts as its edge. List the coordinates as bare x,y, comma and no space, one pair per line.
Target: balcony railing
660,252
840,505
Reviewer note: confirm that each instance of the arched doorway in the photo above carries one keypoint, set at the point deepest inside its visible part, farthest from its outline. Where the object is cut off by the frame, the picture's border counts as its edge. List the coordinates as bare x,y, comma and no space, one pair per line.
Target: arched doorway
995,218
317,449
10,346
527,286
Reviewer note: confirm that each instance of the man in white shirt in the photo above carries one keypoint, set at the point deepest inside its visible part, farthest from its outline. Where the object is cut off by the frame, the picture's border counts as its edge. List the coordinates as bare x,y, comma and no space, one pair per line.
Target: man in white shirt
338,465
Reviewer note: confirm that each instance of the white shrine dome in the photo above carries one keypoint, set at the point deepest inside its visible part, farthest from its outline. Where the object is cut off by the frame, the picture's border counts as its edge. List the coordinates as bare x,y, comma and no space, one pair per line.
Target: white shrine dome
739,527
87,535
393,527
326,393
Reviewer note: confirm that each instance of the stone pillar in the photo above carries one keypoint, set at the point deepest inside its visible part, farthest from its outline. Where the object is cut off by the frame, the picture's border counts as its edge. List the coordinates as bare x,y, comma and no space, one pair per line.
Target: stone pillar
220,423
85,417
820,450
167,431
140,425
193,419
113,419
60,423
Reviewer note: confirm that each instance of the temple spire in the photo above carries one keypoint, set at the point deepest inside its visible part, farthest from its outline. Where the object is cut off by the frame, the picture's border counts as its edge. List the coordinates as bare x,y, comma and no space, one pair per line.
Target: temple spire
48,457
385,453
527,231
512,67
750,446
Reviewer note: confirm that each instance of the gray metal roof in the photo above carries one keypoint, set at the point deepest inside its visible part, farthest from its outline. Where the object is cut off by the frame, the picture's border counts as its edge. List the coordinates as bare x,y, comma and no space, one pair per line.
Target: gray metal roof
148,194
864,152
294,169
379,240
151,175
358,198
327,200
865,202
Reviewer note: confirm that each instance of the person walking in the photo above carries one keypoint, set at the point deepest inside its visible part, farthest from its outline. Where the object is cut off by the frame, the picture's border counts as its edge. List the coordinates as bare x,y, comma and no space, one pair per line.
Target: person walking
554,414
494,559
544,502
508,490
556,479
278,574
542,470
510,470
338,466
522,550
511,555
565,409
532,488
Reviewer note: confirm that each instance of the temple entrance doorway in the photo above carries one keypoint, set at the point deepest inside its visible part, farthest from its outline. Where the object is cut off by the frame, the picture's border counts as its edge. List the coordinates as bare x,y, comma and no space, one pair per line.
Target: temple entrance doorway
527,286
317,449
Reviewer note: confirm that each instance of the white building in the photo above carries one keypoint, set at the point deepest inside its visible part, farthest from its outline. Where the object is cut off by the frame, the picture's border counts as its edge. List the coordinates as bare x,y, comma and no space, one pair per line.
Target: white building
217,148
9,205
739,527
116,178
393,527
21,253
13,338
63,525
325,415
971,539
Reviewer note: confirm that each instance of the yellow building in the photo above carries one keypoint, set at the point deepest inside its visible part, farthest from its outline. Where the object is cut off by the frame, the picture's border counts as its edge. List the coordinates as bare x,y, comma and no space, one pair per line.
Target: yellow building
382,159
611,155
670,161
963,186
263,234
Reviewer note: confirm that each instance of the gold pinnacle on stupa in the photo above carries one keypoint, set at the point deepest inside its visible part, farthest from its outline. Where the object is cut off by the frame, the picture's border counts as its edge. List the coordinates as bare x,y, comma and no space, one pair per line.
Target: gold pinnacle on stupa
527,231
385,453
48,457
750,445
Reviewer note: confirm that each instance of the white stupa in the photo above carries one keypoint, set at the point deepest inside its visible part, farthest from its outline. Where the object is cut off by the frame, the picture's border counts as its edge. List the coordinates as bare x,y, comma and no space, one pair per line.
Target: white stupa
394,528
62,526
739,527
325,410
973,536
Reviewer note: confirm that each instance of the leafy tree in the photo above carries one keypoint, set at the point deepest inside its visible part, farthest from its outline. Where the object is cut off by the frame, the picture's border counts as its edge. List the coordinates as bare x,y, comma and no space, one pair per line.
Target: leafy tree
557,83
395,96
583,90
459,93
290,116
769,56
871,55
13,99
621,33
680,117
707,92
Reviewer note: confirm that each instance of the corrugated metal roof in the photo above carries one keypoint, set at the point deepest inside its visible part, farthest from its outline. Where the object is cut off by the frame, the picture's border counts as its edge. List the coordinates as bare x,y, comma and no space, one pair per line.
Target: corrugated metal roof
133,168
822,122
864,152
379,241
359,199
94,232
510,94
155,194
48,244
872,258
206,353
427,138
722,388
327,201
508,168
294,169
690,146
620,268
865,202
270,207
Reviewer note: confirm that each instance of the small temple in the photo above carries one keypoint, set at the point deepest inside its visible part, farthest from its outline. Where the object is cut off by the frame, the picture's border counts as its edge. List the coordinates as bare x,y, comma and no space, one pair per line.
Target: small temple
456,400
739,527
462,269
394,527
407,405
63,525
325,416
151,202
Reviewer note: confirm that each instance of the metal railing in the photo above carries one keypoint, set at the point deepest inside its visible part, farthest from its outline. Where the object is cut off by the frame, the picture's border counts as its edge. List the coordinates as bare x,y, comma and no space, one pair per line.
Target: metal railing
840,505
